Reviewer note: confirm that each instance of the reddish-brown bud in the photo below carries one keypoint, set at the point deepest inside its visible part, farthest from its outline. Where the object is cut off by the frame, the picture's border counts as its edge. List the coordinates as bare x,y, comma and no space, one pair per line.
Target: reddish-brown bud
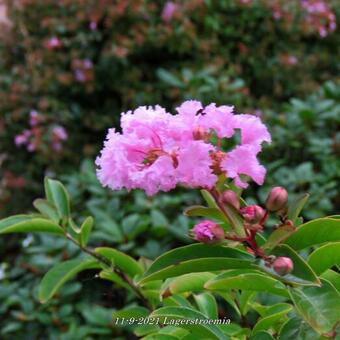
283,265
277,199
253,213
230,197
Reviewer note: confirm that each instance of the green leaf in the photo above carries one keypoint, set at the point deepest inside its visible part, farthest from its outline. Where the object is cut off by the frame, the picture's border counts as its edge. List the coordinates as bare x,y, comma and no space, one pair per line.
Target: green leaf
27,224
169,78
302,273
46,209
297,329
325,257
247,280
333,277
315,232
246,298
318,306
188,317
278,236
196,258
124,262
58,196
273,315
296,207
129,312
61,273
143,330
176,301
209,199
262,335
192,282
198,210
160,336
112,276
85,231
235,219
207,305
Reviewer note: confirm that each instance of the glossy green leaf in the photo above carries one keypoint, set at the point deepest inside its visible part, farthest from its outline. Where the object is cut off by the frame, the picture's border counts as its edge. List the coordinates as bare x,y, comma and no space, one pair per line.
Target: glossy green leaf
278,236
129,312
46,209
273,315
196,258
315,232
318,306
207,305
192,282
144,330
333,277
160,336
58,196
298,329
61,273
235,219
262,335
177,301
198,210
26,224
85,230
247,280
325,257
113,277
296,207
124,262
209,199
230,299
302,273
245,300
185,318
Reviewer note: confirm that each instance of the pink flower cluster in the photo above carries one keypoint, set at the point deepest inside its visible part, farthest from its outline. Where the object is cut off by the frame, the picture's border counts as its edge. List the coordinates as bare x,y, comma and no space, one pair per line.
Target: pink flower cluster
319,16
157,150
33,138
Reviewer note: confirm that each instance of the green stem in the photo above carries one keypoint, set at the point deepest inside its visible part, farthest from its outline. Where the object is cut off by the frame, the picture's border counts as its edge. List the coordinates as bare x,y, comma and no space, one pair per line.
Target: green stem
108,263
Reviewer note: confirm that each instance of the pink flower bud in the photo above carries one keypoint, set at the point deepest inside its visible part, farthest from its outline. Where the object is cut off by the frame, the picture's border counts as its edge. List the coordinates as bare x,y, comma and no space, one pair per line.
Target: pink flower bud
208,232
283,265
230,197
253,213
277,199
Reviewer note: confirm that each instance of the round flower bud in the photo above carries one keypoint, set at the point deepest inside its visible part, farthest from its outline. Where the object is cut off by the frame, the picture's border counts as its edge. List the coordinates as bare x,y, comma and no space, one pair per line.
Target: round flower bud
253,213
277,199
230,197
208,232
283,265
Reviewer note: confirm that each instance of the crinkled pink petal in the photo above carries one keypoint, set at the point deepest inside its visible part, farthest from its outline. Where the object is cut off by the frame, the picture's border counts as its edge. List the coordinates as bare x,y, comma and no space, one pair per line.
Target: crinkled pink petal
160,176
253,131
112,165
220,119
189,108
242,161
194,165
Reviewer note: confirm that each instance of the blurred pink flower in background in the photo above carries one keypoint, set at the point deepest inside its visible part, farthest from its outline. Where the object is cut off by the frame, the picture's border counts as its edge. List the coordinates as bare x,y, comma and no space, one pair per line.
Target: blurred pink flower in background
53,43
169,10
34,118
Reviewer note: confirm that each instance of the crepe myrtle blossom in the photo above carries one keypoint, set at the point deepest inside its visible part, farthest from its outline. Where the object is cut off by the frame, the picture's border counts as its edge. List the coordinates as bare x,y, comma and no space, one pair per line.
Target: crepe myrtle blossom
156,151
207,232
